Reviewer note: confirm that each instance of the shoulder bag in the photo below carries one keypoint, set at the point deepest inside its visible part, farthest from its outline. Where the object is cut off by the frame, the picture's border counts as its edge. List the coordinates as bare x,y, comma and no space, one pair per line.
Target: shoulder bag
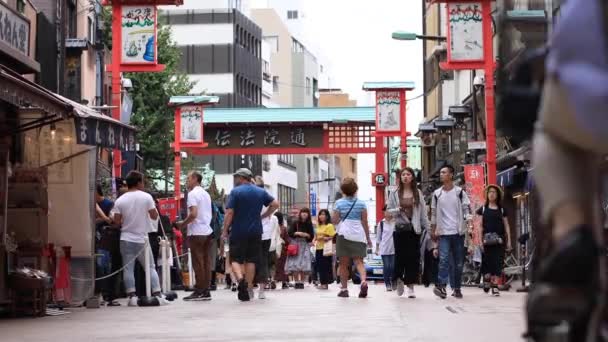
292,248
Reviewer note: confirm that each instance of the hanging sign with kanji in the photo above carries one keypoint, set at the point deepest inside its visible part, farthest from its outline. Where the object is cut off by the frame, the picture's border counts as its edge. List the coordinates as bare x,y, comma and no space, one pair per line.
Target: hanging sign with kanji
264,137
191,124
138,35
388,111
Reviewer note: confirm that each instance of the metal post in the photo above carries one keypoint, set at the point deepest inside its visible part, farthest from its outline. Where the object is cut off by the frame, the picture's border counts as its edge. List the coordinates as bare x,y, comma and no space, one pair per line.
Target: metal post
163,256
190,269
147,267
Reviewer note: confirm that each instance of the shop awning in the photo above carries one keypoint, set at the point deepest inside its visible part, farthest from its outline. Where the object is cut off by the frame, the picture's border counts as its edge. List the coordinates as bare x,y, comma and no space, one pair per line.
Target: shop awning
91,127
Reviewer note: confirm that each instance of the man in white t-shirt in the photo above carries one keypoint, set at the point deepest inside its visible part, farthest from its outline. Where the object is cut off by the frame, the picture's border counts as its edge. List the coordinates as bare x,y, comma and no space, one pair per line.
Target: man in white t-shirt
199,235
133,212
450,218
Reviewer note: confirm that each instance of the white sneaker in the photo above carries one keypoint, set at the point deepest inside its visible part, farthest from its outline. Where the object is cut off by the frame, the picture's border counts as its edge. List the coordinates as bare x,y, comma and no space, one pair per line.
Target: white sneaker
133,301
251,294
162,301
261,295
400,287
410,292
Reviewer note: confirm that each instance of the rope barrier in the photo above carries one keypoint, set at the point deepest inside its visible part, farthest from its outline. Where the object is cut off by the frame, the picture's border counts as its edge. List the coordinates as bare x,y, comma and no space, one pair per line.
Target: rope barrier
113,273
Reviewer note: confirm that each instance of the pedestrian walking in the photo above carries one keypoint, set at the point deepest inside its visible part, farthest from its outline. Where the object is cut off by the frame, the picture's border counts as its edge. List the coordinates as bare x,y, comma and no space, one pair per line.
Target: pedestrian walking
299,258
134,211
385,247
263,266
350,215
281,252
243,218
324,235
200,236
406,204
496,236
450,221
107,244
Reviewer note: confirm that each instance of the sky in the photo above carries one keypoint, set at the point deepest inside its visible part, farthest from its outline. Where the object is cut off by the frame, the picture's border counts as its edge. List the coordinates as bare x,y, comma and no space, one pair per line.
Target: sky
355,37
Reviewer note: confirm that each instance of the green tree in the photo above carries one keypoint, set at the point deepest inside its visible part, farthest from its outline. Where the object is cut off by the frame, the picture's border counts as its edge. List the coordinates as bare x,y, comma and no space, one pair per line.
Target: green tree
151,93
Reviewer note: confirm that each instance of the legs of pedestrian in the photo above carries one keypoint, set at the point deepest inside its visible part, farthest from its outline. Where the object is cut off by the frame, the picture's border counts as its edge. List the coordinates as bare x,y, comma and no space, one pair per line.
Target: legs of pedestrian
388,268
412,261
400,241
458,254
363,275
343,270
444,266
201,263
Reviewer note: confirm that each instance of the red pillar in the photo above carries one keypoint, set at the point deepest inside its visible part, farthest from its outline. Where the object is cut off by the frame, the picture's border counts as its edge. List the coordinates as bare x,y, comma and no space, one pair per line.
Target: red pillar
490,66
177,169
116,79
380,154
403,131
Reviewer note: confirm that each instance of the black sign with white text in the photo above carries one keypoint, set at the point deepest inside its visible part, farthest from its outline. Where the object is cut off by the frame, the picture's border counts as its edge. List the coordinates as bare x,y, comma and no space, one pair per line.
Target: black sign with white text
102,133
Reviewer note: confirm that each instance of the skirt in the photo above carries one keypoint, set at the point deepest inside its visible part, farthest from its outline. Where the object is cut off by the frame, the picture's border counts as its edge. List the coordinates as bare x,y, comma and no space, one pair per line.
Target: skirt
301,262
350,249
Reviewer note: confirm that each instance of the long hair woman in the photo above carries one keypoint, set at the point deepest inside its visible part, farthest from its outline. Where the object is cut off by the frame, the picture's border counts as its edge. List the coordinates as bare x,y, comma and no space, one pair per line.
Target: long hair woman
496,236
407,207
325,233
301,234
350,214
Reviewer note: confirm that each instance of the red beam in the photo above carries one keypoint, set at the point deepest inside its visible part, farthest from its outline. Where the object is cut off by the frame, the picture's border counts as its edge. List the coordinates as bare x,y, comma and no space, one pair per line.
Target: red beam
302,150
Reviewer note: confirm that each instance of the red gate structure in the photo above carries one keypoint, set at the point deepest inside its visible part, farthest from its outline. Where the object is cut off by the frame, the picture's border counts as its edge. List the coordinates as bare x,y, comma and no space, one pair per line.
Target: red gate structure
242,131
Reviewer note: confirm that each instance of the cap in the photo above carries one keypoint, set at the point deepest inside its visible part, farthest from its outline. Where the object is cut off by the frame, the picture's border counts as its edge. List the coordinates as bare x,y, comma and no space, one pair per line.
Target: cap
244,172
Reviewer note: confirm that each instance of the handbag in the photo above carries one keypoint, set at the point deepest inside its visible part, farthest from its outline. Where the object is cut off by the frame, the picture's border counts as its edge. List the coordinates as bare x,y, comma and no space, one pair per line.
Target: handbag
404,227
292,249
328,248
492,239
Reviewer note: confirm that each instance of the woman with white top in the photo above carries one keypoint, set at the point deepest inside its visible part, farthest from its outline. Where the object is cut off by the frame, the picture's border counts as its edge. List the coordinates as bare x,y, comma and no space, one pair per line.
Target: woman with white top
350,215
385,247
406,204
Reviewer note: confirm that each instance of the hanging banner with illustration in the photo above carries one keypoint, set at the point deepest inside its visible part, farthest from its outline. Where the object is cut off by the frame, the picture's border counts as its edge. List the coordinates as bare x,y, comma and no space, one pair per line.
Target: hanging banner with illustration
192,124
465,32
474,176
138,34
388,112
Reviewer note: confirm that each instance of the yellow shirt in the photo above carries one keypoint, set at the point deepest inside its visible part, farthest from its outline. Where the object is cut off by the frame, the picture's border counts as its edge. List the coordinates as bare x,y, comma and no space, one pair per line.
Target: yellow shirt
323,231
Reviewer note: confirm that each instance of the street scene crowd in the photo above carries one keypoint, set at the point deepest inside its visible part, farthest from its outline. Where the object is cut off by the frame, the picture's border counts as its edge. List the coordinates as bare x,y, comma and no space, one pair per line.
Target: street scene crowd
247,243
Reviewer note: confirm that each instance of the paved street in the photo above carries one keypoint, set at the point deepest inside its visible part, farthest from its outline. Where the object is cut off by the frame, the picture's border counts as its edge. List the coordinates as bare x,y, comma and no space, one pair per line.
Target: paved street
309,315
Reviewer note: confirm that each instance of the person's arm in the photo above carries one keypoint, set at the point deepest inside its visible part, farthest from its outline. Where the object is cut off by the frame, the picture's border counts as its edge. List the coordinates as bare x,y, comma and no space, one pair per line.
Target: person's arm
393,207
309,234
366,227
379,237
228,217
272,207
424,217
335,217
293,230
152,208
192,214
505,220
433,217
102,217
331,232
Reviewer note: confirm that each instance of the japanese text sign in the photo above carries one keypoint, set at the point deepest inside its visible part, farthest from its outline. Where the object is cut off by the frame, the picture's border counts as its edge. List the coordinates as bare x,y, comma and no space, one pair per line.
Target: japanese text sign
264,137
191,124
138,35
474,177
14,30
104,134
388,112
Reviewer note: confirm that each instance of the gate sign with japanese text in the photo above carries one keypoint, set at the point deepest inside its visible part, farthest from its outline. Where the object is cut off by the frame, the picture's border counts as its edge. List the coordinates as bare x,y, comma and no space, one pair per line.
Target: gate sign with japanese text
138,35
14,30
191,124
388,112
465,32
264,137
104,134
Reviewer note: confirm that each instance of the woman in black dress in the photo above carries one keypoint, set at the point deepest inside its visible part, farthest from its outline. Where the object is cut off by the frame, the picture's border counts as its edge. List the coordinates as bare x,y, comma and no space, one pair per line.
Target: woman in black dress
496,236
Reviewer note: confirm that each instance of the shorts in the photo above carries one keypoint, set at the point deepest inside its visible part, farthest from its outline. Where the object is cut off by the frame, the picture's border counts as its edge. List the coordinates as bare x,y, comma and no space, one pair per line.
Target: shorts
246,251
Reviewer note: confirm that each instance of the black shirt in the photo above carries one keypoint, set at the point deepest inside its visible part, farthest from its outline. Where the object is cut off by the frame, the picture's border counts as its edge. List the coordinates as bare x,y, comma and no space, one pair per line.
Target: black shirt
492,220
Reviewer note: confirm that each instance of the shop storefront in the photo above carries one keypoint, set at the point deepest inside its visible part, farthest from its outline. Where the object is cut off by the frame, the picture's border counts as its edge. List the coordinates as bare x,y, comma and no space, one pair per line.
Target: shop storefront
48,157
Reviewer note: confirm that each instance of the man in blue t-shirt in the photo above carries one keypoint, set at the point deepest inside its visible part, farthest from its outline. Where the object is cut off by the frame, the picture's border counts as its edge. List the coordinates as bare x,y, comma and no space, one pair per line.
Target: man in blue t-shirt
243,218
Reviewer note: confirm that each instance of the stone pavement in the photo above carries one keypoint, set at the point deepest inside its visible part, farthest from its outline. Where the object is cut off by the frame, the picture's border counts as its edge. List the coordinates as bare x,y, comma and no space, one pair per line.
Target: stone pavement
290,315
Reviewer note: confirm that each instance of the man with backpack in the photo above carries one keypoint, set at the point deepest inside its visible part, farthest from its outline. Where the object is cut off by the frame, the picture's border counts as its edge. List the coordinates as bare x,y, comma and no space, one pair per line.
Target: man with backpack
200,236
450,220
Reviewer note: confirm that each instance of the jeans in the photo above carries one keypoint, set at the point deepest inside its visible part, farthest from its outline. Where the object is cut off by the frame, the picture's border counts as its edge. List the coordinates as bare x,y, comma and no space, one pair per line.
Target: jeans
388,266
451,260
129,250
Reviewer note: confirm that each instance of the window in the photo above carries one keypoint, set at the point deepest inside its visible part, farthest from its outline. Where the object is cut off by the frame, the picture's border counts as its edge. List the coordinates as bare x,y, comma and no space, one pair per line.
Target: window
21,6
273,41
307,85
275,84
292,14
287,198
286,159
296,46
72,20
353,165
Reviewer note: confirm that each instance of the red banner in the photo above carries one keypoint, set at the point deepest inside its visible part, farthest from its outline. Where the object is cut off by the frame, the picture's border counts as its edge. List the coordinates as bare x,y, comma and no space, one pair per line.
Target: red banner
474,176
168,207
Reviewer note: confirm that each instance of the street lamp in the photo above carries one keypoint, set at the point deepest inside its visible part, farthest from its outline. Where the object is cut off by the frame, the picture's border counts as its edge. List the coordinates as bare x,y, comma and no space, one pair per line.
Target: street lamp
402,35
